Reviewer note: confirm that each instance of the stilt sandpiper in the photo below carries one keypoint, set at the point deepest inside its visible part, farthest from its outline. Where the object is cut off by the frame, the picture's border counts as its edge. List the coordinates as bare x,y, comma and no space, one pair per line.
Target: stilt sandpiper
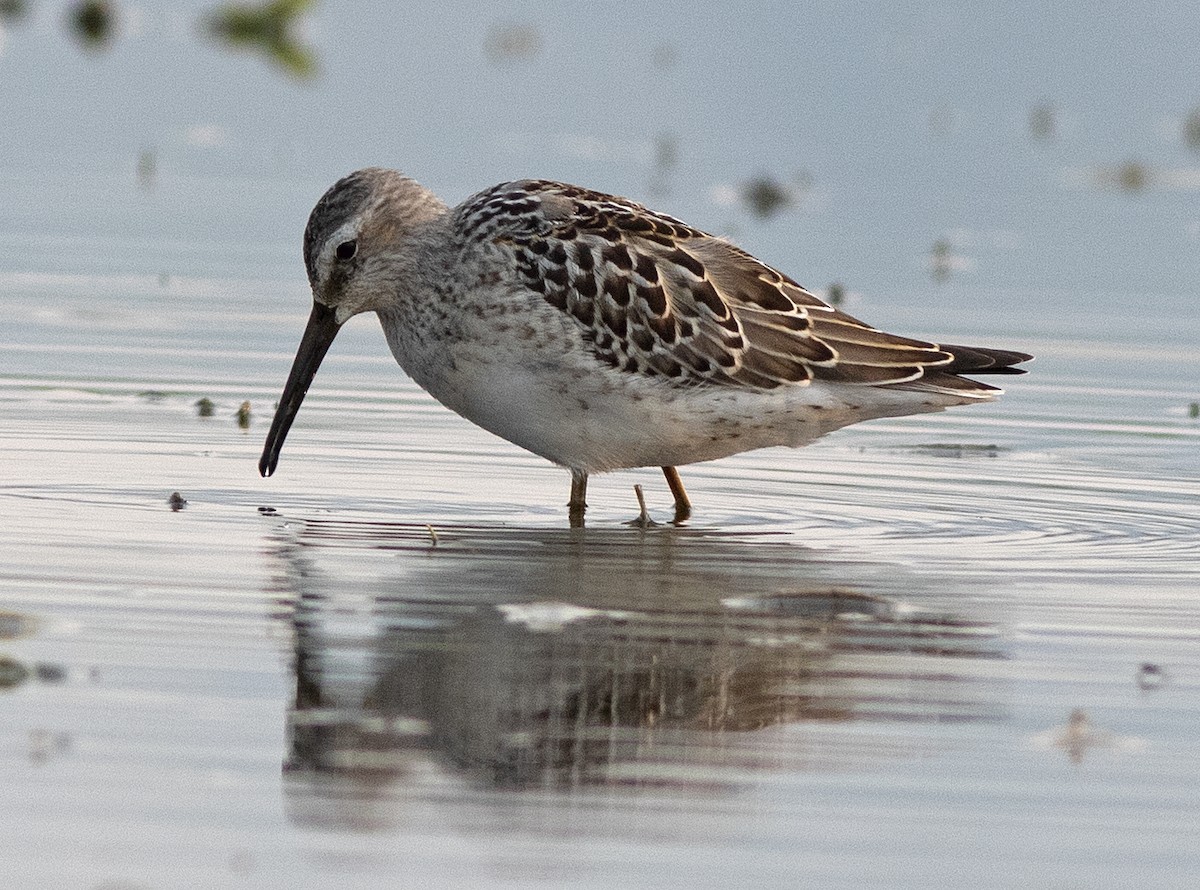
599,334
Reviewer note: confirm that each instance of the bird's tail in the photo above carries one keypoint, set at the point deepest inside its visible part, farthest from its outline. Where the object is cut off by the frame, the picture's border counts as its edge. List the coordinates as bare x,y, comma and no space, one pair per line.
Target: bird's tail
980,360
968,360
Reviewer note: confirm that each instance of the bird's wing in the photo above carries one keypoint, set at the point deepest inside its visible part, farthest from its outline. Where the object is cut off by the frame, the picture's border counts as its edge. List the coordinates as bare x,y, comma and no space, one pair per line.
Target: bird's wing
659,298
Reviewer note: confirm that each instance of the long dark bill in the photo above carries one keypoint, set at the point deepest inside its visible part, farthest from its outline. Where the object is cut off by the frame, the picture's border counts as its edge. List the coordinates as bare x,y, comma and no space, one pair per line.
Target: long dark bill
318,336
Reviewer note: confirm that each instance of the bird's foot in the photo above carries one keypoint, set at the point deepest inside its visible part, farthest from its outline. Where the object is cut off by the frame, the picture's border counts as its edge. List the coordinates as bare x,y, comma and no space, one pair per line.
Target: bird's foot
642,520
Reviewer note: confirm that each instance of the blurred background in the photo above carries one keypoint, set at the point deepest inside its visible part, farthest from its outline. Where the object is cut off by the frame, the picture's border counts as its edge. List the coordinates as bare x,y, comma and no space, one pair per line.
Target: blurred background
889,147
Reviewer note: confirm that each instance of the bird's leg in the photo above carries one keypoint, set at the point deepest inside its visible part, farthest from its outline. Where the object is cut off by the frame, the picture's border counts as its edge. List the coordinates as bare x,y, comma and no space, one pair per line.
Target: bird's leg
643,518
683,506
577,505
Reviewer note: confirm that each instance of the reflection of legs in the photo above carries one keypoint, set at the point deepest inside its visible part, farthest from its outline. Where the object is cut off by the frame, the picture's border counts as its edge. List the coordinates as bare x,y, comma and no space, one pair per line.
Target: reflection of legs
683,506
577,504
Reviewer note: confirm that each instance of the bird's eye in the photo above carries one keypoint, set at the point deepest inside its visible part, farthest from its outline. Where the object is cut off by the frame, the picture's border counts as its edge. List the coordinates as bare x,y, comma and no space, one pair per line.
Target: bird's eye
346,250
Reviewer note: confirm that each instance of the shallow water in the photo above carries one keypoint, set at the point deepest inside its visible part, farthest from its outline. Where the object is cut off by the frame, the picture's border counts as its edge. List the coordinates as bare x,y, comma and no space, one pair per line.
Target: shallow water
952,649
859,663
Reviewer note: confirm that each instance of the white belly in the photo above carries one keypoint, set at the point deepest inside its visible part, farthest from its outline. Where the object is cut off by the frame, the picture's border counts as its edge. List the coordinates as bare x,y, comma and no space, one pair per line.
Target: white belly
591,421
570,409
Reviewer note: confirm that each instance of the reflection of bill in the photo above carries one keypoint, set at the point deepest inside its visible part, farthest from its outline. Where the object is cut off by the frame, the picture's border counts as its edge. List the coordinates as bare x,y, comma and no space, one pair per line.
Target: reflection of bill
547,659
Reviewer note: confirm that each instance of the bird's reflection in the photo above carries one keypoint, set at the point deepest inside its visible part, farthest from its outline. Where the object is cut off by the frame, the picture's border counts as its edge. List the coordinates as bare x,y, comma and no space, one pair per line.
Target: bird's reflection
561,659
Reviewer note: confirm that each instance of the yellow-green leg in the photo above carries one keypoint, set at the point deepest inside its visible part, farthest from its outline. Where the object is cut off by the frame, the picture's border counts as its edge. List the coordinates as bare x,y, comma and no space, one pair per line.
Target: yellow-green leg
683,506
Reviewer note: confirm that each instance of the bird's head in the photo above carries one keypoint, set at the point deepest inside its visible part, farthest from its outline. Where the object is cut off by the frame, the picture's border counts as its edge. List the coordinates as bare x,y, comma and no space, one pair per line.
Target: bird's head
360,244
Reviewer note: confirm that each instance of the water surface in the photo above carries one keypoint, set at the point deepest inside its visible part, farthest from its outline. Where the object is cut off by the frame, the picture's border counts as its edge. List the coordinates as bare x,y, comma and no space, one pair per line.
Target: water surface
949,649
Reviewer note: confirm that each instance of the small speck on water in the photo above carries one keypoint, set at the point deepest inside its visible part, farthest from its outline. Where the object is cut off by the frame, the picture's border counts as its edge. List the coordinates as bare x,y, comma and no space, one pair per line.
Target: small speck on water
147,169
765,196
92,23
941,260
152,395
47,672
267,511
510,43
666,159
1150,676
243,415
1133,176
12,673
1191,130
836,295
1043,122
12,10
14,625
205,407
1194,410
957,449
176,502
666,151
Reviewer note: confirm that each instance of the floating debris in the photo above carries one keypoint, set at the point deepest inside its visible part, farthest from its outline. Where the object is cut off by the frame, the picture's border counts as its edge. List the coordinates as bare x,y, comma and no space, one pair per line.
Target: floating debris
268,29
147,169
267,511
1150,676
511,43
14,624
48,672
12,673
433,538
205,407
836,295
243,415
1194,410
766,196
176,502
152,395
1043,123
941,260
666,158
957,449
12,11
1133,176
1191,130
666,152
92,22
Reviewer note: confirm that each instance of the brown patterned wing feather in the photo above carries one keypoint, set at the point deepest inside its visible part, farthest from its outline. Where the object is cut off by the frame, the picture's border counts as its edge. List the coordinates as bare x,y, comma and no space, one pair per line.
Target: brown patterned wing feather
659,298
